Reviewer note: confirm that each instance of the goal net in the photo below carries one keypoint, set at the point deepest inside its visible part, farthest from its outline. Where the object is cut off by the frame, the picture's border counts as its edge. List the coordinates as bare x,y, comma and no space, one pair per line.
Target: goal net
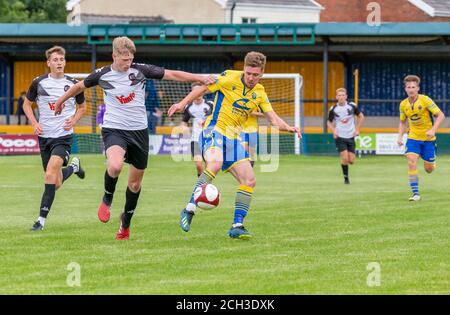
284,90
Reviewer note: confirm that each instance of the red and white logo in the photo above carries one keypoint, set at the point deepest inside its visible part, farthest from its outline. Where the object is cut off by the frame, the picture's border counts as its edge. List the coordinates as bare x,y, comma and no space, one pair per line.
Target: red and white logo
125,100
52,105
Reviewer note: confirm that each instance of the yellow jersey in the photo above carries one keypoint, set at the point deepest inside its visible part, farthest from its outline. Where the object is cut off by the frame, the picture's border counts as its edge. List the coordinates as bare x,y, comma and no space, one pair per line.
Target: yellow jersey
251,124
233,103
419,115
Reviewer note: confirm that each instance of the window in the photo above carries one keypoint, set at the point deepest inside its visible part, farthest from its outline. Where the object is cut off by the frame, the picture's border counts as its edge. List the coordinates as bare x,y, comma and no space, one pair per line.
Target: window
248,20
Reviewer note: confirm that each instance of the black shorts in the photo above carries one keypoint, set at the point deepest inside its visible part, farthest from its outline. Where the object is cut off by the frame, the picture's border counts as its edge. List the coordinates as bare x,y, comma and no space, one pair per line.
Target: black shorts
55,146
343,144
195,148
134,142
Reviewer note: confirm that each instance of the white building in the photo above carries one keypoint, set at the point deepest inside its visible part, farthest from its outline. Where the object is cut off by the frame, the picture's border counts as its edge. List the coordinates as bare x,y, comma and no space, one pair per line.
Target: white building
271,11
194,11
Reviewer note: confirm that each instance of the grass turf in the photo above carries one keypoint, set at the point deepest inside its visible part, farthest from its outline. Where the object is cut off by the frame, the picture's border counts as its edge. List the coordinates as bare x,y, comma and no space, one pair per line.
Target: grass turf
312,233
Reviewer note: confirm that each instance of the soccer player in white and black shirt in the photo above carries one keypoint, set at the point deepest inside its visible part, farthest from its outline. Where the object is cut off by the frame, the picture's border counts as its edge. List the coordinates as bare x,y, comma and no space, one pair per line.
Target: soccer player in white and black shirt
341,120
125,129
55,132
197,113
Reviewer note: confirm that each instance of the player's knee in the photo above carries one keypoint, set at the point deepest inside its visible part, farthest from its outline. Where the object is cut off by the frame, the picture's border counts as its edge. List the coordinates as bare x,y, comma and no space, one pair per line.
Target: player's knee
114,168
214,166
134,186
250,182
50,177
412,164
429,168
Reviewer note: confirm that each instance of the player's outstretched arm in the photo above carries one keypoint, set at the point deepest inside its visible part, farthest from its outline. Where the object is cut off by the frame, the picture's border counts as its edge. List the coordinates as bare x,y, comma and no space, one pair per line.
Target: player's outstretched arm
179,107
188,77
74,90
30,115
275,120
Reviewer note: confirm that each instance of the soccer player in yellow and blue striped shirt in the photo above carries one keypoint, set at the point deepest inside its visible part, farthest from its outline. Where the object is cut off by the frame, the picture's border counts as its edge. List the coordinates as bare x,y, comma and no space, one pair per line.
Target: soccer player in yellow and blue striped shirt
420,111
238,93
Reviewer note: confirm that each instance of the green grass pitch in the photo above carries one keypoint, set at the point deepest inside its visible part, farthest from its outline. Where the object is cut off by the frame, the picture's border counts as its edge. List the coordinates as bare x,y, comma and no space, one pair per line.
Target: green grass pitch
312,233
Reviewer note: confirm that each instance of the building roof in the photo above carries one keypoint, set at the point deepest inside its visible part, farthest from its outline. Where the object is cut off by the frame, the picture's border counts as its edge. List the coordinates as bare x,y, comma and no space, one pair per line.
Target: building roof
433,8
122,19
300,3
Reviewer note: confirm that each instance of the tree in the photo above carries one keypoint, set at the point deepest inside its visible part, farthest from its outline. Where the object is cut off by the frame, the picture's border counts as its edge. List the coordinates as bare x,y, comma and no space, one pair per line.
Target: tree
33,11
47,10
12,11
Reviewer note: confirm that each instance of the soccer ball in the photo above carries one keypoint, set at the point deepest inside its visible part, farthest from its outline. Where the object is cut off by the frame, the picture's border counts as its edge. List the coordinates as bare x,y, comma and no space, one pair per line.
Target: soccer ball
206,196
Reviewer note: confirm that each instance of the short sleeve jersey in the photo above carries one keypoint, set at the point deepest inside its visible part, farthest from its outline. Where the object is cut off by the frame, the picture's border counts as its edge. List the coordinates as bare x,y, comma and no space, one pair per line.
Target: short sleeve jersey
419,115
344,118
233,103
124,94
45,91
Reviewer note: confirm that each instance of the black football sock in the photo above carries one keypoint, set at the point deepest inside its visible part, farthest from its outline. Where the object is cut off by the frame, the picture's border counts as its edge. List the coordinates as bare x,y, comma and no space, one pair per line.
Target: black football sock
345,170
67,172
47,199
130,205
252,163
110,188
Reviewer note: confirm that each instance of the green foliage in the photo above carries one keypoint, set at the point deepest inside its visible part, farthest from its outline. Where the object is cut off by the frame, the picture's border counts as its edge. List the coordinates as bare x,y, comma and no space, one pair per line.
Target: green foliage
33,11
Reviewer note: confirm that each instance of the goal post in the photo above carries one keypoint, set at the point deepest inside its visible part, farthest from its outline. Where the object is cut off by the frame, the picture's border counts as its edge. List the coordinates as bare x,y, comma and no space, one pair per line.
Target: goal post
284,90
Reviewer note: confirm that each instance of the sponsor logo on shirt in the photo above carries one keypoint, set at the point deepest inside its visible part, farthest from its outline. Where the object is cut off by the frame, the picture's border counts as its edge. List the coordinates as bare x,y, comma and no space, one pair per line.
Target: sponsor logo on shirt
125,100
52,105
239,107
241,104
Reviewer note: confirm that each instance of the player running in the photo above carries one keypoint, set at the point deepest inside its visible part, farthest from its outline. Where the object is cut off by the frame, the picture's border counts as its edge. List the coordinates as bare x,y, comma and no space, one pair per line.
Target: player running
419,109
341,121
238,94
125,126
54,133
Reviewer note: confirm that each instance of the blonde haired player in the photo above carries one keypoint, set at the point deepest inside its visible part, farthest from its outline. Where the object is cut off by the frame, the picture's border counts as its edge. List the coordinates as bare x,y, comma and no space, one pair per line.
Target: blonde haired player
419,110
125,125
238,93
